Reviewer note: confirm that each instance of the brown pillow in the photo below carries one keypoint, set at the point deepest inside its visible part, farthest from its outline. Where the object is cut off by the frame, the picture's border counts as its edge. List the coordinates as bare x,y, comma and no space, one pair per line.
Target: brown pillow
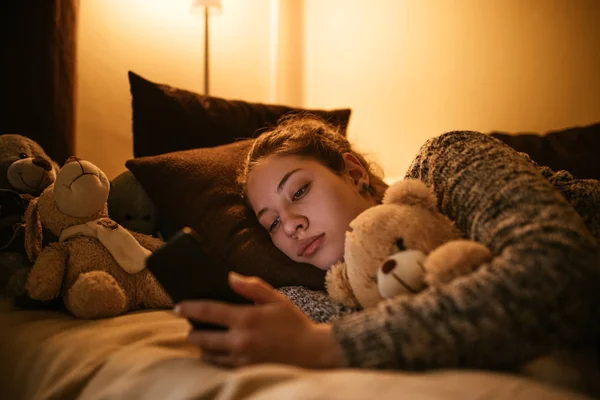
198,188
574,149
167,119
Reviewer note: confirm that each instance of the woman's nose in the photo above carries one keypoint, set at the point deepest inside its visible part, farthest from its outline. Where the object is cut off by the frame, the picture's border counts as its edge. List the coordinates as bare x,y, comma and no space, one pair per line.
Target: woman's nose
293,224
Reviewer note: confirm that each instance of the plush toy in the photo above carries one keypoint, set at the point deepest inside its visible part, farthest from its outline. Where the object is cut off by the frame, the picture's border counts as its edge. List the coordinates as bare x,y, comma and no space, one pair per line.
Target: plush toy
404,245
24,165
400,247
130,206
25,171
96,265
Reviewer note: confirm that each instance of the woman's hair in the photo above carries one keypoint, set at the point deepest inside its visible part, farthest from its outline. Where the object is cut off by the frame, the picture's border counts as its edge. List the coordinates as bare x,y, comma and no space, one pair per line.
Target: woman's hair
308,136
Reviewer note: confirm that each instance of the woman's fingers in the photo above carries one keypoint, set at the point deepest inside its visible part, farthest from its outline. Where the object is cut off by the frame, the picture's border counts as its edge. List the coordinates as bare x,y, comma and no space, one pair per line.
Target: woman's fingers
254,288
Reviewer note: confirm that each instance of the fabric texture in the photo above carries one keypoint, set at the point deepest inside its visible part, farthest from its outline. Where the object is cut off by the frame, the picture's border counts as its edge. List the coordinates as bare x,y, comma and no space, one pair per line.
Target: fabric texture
574,149
168,119
539,293
583,194
145,355
316,304
197,188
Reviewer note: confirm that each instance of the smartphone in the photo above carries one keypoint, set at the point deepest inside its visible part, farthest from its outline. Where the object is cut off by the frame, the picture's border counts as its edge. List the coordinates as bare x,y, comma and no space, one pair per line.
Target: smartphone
189,271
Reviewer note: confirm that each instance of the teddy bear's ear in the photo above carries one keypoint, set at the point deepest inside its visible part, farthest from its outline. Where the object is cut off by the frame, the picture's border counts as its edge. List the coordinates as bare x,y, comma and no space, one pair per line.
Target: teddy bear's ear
33,230
338,287
412,192
55,166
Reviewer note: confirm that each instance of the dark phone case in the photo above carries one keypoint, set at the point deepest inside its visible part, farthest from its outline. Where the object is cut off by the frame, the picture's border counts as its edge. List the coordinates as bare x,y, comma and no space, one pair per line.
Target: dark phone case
182,266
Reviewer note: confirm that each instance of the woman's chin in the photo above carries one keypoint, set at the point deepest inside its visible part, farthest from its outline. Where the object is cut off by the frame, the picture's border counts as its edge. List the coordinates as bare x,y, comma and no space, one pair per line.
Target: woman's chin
329,262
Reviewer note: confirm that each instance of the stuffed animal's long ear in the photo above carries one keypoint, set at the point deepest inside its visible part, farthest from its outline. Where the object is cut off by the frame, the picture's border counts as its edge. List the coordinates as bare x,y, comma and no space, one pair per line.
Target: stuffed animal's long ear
338,286
33,230
412,192
55,166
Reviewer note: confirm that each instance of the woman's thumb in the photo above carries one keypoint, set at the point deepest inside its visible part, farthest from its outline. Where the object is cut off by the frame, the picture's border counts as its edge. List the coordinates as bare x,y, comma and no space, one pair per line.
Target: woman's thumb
254,288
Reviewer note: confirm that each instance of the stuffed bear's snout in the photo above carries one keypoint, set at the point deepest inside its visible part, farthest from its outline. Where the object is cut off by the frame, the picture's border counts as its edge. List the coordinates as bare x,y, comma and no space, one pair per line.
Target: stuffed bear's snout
42,163
388,267
81,189
401,273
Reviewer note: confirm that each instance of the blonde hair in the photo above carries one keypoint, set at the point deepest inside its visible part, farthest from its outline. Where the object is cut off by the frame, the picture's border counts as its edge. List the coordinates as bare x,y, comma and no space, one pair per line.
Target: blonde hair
308,136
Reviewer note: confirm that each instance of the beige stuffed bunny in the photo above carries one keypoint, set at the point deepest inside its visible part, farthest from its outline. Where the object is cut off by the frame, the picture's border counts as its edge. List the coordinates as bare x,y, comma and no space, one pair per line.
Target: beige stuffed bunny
401,247
97,265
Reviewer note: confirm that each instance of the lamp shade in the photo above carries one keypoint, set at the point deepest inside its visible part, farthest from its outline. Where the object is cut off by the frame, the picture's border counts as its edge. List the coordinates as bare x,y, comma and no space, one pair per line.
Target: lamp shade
206,3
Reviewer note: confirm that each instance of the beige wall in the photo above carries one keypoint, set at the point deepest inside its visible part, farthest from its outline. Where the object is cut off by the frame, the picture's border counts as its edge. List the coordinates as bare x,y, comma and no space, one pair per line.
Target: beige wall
409,69
413,69
162,41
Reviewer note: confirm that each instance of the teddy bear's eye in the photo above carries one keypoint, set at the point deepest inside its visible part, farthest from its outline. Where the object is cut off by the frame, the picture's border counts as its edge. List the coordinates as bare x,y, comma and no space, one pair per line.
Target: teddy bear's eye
400,244
23,155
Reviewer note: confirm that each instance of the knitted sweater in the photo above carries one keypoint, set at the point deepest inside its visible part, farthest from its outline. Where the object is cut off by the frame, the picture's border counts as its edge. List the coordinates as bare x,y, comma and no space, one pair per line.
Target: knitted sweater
539,293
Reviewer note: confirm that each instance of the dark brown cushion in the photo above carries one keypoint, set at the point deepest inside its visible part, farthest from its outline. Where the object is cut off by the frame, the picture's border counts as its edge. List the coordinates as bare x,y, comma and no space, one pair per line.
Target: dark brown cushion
197,188
167,119
574,149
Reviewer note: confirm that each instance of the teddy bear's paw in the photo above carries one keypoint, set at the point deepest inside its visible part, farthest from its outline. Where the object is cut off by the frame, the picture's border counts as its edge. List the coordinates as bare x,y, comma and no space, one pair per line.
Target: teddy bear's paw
151,294
454,259
96,294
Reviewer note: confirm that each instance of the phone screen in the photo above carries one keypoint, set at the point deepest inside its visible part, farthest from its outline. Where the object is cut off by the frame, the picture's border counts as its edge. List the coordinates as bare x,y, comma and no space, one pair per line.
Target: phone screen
187,270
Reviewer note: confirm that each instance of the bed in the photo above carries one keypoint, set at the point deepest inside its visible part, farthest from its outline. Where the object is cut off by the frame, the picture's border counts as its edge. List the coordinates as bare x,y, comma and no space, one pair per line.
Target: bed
47,354
144,355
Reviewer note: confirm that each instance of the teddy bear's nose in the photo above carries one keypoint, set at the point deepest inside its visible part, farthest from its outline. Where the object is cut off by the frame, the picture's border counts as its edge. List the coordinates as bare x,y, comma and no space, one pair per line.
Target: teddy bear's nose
388,266
42,163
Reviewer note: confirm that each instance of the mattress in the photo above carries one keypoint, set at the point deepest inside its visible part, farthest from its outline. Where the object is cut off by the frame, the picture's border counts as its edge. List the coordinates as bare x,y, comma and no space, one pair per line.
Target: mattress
144,355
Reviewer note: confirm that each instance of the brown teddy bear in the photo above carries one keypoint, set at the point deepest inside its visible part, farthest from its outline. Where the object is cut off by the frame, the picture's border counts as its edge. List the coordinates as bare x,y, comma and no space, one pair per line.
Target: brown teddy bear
97,265
25,171
400,247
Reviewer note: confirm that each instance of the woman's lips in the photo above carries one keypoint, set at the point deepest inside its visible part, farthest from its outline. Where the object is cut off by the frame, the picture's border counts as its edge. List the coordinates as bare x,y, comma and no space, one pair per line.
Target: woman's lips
310,246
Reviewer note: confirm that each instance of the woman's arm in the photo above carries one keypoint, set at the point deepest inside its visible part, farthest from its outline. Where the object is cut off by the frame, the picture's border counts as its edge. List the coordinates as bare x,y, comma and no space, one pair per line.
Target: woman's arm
539,292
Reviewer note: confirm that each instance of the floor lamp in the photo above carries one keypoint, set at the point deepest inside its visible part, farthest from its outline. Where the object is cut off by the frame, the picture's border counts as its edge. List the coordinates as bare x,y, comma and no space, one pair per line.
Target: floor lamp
207,5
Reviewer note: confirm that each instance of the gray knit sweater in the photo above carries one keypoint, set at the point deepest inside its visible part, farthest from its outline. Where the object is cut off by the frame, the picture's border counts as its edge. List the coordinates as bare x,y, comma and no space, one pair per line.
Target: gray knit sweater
539,293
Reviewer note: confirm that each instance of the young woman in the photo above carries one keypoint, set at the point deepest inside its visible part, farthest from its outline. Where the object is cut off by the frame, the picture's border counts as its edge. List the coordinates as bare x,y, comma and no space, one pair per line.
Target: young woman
305,183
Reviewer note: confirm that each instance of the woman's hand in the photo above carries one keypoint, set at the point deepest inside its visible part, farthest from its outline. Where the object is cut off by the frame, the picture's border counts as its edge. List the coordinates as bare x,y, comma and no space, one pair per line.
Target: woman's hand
272,330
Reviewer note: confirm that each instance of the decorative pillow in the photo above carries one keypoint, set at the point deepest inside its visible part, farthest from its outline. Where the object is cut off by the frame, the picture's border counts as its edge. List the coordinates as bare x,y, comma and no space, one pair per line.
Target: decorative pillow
574,149
198,188
167,119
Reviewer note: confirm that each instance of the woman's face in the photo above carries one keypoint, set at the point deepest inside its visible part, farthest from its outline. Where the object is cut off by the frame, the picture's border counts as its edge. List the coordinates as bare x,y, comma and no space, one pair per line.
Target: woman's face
306,207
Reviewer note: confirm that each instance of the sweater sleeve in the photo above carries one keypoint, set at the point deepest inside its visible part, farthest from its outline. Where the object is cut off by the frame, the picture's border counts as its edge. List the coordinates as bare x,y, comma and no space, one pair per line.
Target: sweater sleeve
538,293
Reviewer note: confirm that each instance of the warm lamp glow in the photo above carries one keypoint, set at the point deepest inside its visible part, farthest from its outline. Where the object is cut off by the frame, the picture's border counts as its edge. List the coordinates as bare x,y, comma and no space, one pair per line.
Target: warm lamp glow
199,6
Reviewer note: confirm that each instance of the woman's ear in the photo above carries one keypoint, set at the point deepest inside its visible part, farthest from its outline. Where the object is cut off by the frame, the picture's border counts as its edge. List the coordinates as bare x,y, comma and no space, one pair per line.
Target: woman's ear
356,170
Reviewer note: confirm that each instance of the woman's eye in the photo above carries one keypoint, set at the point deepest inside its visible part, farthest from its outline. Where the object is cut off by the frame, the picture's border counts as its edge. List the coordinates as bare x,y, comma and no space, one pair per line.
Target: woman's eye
274,225
300,192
